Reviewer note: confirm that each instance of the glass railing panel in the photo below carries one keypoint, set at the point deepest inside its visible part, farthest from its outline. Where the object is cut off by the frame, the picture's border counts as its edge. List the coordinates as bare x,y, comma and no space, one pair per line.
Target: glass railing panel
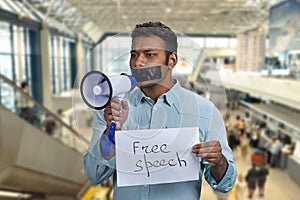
55,125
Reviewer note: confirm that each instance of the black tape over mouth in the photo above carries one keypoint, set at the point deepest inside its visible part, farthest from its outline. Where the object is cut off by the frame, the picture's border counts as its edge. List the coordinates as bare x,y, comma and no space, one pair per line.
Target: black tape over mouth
147,73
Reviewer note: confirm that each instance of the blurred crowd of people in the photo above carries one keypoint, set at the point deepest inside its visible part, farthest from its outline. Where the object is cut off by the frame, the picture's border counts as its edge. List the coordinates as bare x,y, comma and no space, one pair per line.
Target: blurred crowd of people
244,135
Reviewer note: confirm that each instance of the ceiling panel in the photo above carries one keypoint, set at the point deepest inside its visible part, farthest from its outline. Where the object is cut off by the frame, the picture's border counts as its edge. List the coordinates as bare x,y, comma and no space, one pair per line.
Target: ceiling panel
213,17
187,16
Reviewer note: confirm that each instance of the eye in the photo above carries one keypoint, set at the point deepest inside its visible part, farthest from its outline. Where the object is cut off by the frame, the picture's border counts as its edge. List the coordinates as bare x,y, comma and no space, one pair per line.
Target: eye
150,55
133,55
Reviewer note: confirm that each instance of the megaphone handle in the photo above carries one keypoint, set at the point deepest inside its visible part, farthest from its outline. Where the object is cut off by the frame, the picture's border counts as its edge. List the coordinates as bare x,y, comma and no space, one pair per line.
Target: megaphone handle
112,130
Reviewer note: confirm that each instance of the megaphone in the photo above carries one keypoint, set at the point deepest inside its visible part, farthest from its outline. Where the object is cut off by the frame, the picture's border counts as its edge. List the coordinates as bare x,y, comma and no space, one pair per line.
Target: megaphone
97,89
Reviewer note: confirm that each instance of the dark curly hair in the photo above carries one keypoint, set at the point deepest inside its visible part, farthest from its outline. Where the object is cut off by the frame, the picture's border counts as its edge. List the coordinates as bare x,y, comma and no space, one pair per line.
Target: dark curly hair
24,84
158,29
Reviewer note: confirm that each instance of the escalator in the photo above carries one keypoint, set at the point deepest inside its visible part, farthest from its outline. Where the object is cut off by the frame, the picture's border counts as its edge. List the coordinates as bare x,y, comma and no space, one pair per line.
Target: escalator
34,162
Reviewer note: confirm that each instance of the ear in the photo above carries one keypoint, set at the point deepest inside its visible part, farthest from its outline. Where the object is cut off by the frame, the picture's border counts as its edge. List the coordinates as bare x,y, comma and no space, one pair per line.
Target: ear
173,58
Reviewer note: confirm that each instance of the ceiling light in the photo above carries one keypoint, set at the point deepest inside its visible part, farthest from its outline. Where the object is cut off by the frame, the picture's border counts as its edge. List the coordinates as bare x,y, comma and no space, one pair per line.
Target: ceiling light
168,10
191,28
14,194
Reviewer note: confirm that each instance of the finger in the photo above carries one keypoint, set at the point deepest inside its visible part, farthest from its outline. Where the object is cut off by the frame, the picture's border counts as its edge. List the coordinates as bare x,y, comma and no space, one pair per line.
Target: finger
206,144
107,111
109,118
202,148
212,162
116,118
210,152
197,146
116,105
207,152
116,113
209,155
211,143
115,101
124,105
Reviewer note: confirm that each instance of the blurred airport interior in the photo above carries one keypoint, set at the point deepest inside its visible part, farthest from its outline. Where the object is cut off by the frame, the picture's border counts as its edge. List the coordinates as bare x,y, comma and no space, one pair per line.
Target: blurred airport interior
243,55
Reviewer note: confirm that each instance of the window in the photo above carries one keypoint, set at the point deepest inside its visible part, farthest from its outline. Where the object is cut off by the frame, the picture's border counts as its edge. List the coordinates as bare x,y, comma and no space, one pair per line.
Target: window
115,52
88,57
60,60
6,65
15,58
216,42
232,43
5,36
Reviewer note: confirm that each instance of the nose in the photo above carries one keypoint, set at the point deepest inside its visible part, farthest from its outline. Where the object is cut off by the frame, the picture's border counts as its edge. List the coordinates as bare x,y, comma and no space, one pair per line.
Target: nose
140,60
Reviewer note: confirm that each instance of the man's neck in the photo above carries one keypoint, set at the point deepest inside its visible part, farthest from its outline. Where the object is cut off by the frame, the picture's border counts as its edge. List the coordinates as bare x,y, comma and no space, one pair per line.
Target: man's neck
157,90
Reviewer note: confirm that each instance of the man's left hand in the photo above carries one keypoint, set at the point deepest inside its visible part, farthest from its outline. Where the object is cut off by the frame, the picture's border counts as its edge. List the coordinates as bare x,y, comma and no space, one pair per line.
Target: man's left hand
211,152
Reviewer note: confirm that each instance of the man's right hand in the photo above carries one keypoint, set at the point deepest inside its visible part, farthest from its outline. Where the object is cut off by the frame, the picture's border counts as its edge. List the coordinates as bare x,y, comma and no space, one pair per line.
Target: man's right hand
116,111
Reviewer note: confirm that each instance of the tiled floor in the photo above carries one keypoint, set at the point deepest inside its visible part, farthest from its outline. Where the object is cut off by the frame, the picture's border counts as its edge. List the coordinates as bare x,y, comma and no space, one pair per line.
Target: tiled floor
279,185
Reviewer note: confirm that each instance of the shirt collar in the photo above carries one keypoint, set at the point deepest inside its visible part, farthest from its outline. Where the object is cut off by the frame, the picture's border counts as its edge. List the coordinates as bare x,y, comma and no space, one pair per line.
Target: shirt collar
170,97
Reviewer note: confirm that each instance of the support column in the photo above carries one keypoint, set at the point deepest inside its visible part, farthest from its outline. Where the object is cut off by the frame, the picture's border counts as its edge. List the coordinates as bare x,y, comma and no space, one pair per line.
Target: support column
79,61
19,55
74,64
35,65
46,73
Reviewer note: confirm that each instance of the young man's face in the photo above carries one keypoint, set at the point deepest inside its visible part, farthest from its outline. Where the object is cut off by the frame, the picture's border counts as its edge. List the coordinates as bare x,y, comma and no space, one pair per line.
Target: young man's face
148,60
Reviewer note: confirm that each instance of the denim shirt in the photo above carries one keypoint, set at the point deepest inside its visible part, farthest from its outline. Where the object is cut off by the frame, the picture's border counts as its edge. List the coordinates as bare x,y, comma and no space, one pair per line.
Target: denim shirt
176,108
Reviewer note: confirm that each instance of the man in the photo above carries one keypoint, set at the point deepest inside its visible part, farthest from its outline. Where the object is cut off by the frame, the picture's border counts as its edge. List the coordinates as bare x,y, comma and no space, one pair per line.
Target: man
262,174
251,178
275,151
24,105
160,102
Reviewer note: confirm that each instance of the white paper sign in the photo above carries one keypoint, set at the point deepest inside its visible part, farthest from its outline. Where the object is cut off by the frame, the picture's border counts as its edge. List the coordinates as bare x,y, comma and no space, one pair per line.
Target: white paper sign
156,156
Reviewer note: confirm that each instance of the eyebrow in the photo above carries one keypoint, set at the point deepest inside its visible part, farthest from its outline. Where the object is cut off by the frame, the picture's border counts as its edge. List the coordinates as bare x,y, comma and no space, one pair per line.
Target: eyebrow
145,50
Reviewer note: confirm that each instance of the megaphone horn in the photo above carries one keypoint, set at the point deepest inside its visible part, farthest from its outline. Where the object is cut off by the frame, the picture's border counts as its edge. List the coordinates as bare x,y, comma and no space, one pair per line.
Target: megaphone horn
97,89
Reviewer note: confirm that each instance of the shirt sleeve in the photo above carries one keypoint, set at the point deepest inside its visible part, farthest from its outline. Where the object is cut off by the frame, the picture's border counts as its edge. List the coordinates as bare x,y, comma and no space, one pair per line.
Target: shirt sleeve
217,131
97,168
